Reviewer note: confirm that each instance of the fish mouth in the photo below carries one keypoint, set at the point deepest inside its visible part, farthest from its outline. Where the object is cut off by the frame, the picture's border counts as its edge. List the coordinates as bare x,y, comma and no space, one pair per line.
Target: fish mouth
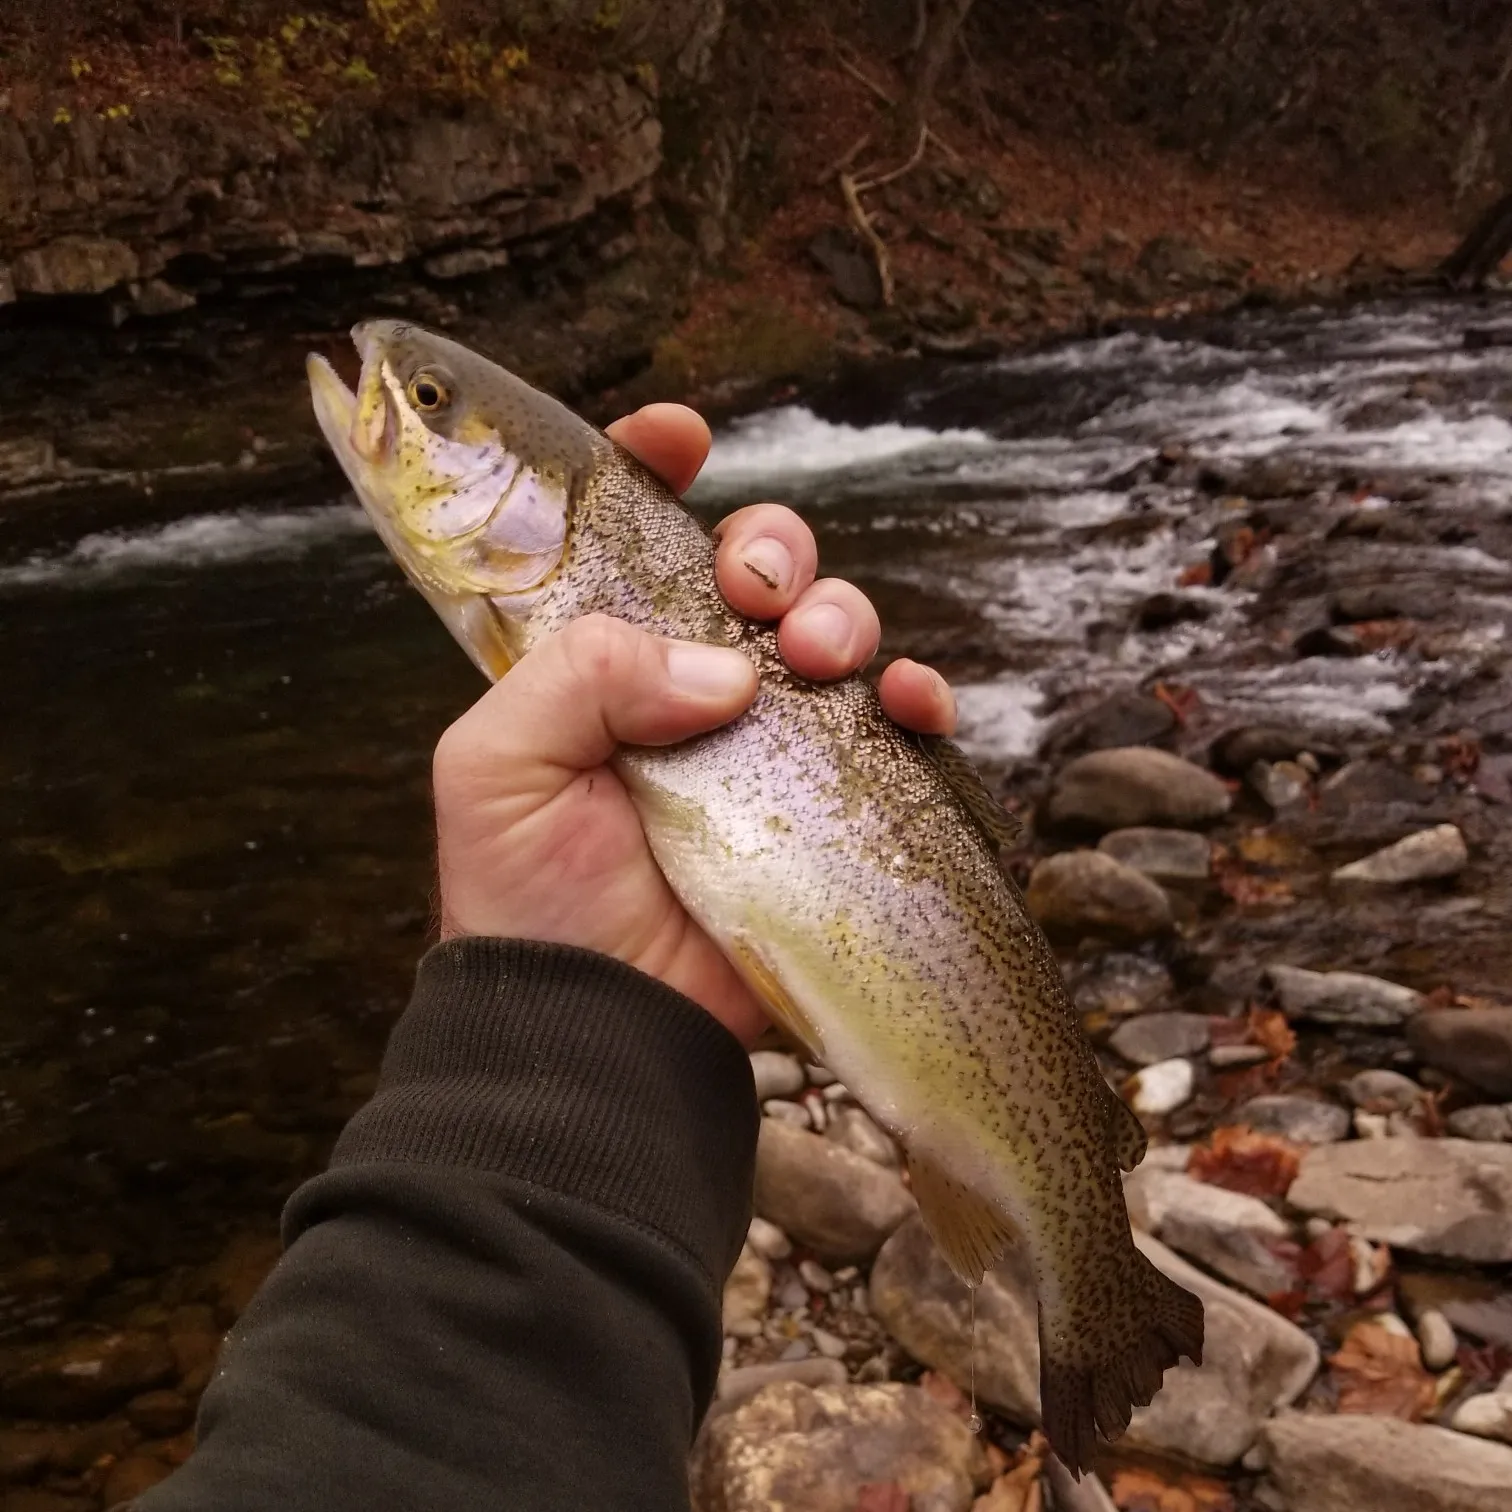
356,423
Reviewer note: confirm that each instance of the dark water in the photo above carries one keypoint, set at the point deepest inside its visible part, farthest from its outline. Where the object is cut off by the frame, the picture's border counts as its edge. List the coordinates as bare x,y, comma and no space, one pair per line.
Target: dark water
215,867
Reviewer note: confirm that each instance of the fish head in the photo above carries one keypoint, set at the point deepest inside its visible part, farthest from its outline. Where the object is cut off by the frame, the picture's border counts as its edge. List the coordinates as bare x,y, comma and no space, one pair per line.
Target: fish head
467,473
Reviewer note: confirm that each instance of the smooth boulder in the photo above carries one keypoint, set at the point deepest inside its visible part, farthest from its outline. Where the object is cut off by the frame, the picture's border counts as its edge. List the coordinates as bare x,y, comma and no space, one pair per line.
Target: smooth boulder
1294,1116
1135,785
1427,856
1161,1036
1474,1044
1342,997
1081,893
824,1196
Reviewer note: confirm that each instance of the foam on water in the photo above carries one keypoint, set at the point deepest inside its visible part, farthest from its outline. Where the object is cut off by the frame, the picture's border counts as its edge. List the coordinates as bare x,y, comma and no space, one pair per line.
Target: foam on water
999,718
1327,694
207,540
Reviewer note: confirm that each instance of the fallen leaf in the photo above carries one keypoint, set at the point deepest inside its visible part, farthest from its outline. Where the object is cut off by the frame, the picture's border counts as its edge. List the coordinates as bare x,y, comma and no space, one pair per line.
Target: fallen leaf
1381,1373
1270,1030
1179,700
1259,1165
1327,1266
1136,1490
883,1496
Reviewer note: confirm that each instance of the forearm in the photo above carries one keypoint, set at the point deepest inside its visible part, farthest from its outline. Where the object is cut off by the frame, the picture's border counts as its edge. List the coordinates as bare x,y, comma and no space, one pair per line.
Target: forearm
506,1289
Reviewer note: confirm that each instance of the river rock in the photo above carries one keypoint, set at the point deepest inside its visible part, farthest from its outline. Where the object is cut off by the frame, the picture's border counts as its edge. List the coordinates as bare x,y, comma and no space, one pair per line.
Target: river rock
1135,785
1279,783
1436,1339
1119,984
1449,1197
1161,1088
1122,719
747,1293
839,1204
927,1309
776,1074
1488,1121
1161,1036
1084,892
1354,1463
1342,997
745,1381
768,1240
1238,750
1383,1091
1228,1232
1167,855
1488,1415
854,1128
1303,1120
1423,857
1474,1044
87,1376
794,1448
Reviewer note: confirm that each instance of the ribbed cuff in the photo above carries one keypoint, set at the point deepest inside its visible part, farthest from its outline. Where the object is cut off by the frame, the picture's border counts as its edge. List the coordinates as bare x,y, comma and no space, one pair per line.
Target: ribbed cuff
575,1072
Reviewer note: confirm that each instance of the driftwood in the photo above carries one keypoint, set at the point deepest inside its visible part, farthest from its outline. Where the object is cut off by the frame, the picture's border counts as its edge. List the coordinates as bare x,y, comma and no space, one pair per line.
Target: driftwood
1483,250
851,190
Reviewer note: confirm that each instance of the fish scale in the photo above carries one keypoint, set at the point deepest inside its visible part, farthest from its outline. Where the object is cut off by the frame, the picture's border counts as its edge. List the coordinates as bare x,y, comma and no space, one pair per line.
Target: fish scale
847,868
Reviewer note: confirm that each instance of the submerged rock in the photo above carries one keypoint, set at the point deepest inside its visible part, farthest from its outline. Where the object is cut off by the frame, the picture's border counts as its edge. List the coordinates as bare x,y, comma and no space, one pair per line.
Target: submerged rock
794,1448
1423,857
1303,1120
1167,855
1342,997
1474,1044
1353,1463
1079,893
1449,1197
839,1204
1135,785
1156,1037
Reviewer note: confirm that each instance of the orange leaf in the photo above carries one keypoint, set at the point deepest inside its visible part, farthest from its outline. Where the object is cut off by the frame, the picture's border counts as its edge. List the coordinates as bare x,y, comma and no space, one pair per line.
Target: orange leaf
1198,575
1136,1490
1381,1372
1328,1266
1271,1031
1260,1165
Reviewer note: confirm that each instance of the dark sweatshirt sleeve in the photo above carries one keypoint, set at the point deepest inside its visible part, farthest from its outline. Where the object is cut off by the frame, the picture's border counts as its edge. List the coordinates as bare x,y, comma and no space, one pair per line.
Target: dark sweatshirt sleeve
505,1291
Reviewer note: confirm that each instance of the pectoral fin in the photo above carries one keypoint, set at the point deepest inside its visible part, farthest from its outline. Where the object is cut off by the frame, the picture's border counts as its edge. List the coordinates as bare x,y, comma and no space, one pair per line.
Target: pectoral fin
1126,1135
955,766
971,1233
762,978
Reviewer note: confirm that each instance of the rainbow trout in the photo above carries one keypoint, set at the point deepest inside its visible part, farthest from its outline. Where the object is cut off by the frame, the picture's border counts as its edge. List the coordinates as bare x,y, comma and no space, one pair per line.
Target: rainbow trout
849,869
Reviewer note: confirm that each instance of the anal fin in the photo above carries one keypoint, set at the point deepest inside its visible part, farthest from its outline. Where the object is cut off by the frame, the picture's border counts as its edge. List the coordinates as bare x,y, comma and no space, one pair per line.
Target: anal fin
1126,1135
761,977
970,1232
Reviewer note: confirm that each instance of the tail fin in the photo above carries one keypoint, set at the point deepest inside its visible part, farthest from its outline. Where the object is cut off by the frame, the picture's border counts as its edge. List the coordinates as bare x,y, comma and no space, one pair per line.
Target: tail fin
1095,1373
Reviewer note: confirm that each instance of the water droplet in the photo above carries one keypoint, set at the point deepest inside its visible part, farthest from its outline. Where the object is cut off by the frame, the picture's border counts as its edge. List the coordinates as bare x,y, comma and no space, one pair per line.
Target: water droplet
974,1422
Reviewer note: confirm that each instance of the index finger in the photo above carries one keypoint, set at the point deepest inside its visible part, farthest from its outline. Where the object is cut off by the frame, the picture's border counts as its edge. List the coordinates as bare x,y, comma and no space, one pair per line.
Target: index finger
671,439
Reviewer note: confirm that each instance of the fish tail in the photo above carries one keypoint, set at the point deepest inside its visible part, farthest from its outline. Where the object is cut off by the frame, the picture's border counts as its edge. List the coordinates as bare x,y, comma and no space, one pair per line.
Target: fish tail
1098,1364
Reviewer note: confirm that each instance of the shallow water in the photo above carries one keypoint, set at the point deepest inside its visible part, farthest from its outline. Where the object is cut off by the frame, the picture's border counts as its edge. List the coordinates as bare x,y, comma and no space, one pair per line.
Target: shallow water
214,834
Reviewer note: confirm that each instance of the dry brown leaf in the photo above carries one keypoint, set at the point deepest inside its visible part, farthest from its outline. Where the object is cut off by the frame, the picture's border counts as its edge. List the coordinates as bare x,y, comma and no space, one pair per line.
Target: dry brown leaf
1260,1165
1381,1373
1271,1031
883,1496
1136,1490
1327,1266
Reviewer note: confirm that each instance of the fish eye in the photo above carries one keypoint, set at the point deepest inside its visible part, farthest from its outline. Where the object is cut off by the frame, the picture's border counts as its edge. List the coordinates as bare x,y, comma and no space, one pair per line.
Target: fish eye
428,393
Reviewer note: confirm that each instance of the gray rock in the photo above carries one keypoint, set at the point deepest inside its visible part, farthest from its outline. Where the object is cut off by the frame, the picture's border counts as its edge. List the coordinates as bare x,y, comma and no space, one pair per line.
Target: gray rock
1167,855
1488,1121
776,1074
1423,857
1239,750
1342,997
1305,1120
822,1195
1436,1339
1080,893
742,1383
1226,1057
1227,1232
1135,785
1119,984
1449,1197
1162,1088
1383,1091
794,1448
855,1130
1474,1044
1123,719
1353,1463
746,1293
1161,1036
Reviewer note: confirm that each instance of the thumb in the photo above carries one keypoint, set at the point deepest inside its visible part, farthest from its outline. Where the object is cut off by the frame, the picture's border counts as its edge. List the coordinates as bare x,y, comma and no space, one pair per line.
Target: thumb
589,687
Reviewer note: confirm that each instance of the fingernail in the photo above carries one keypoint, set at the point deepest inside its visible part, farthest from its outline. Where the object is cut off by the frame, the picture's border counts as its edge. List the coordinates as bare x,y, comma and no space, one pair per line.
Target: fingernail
698,671
830,625
767,558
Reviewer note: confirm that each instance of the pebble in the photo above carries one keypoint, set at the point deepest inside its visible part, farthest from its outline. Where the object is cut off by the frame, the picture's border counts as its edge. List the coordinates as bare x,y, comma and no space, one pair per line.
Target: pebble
792,1295
1342,997
1280,784
1156,1037
831,1346
768,1241
786,1112
1303,1120
815,1277
820,1076
1426,856
744,1382
799,1349
818,1113
1383,1091
1162,1088
1239,750
837,1203
1135,785
1488,1415
747,1293
1166,855
1488,1121
1080,893
776,1074
1436,1338
1119,984
1371,1125
1474,1044
1227,1057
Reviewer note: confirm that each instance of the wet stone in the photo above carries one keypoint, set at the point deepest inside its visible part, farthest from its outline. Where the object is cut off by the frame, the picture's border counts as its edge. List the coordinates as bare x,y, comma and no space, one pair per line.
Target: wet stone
776,1074
1436,1339
1132,786
1119,984
1156,1037
1280,784
1161,1088
744,1382
1342,997
1166,855
87,1376
1081,893
1486,1121
853,1128
1239,750
768,1241
1474,1044
1426,856
23,1453
1383,1091
1124,719
1488,1415
1303,1120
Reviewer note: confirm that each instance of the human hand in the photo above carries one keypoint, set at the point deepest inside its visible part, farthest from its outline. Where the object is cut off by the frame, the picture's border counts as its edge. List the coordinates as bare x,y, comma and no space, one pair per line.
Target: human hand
537,837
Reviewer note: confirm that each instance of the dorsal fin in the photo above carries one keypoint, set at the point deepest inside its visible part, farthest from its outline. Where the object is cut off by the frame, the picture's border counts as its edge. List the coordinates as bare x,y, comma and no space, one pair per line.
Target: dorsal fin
970,1232
953,764
1126,1135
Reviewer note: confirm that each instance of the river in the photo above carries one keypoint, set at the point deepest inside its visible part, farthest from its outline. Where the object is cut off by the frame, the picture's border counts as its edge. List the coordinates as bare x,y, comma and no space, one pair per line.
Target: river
215,868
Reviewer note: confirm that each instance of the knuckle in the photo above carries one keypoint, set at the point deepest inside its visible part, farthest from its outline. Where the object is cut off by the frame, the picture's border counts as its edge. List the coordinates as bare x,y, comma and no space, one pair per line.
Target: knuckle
599,648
